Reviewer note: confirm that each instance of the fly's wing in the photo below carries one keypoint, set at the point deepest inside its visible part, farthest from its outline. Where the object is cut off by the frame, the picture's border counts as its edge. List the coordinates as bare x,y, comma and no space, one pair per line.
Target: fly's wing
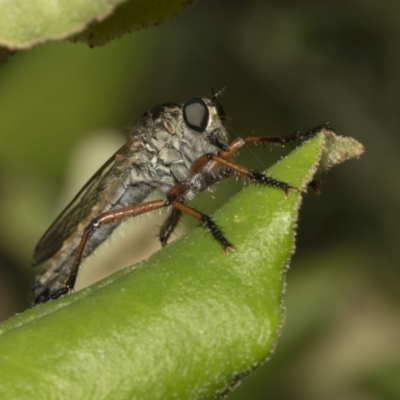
79,208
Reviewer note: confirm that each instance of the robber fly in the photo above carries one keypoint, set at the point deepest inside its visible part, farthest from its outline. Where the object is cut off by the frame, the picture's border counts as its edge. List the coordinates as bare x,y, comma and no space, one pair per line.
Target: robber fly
178,149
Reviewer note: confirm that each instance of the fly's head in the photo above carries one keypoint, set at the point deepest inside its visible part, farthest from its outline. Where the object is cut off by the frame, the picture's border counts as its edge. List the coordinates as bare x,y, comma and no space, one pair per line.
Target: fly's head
205,118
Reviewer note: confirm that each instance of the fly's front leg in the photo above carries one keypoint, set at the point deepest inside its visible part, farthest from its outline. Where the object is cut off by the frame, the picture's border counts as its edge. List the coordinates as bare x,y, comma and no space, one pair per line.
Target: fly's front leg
104,219
293,137
299,135
254,176
215,161
201,162
239,142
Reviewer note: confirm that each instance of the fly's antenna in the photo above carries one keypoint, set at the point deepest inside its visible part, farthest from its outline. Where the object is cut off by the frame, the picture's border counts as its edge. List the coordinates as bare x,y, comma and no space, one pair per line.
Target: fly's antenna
214,94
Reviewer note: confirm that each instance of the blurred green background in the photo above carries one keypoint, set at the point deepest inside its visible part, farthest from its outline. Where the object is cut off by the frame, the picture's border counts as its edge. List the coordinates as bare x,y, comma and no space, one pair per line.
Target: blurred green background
287,65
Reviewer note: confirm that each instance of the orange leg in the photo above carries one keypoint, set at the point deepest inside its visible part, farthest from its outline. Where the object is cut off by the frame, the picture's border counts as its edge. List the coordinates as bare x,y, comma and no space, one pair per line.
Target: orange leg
104,219
176,194
173,198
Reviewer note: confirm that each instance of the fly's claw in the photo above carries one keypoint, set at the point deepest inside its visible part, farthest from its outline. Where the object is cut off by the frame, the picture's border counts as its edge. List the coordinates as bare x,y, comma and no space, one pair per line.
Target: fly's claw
229,249
288,189
315,186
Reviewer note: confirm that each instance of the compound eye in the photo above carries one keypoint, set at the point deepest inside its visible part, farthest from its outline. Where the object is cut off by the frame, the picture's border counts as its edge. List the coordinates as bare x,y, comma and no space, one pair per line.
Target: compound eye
195,114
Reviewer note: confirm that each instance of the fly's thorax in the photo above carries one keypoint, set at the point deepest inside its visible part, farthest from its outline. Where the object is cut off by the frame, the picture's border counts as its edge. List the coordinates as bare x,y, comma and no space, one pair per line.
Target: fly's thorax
168,138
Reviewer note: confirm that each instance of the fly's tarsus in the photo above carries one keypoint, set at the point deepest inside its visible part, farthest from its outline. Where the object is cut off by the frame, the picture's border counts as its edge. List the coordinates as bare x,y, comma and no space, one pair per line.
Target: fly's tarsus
180,163
216,233
39,294
262,179
60,292
45,295
205,220
293,137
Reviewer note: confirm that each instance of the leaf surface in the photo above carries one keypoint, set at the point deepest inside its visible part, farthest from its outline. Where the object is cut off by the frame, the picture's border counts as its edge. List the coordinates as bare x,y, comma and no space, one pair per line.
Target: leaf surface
24,24
187,323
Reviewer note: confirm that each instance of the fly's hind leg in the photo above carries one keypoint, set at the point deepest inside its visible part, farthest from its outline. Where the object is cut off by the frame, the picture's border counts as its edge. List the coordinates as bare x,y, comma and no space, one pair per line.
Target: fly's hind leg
174,199
117,215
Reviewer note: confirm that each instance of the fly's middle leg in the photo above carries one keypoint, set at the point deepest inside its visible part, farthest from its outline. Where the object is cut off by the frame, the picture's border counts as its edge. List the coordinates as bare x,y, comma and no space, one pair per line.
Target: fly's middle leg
174,198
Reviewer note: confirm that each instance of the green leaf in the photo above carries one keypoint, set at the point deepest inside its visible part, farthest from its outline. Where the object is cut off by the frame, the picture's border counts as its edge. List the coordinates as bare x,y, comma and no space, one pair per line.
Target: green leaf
24,24
187,323
130,16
